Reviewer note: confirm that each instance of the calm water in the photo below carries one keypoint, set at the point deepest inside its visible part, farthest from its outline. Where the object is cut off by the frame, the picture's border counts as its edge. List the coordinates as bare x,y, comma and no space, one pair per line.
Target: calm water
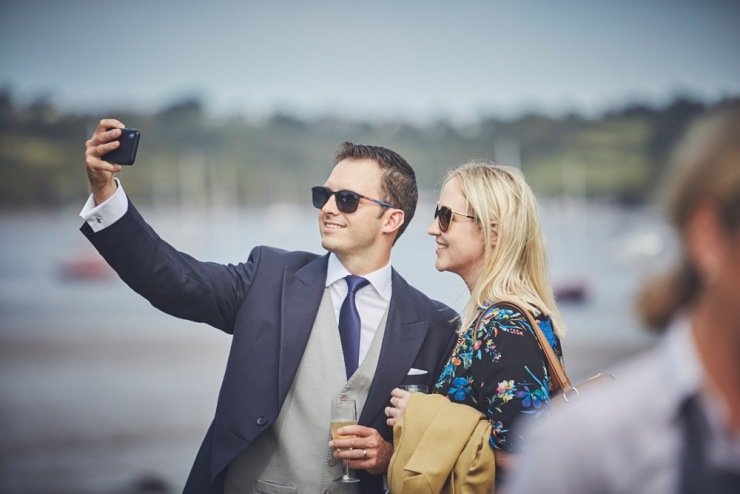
99,389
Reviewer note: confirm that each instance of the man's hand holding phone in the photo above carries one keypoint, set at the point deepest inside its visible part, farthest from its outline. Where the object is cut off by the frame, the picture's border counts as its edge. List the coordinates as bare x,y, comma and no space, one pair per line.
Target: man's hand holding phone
101,156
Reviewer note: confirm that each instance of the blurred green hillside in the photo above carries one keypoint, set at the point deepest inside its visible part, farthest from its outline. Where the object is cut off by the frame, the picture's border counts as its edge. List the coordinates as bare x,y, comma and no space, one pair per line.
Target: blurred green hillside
620,155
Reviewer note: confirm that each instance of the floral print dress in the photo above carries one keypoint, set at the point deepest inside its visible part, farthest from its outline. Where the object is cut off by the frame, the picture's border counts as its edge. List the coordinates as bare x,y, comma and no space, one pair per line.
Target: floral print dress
499,368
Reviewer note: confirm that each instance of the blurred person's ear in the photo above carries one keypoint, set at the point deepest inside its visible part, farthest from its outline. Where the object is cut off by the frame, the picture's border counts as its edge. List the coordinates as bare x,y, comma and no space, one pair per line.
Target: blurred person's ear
706,241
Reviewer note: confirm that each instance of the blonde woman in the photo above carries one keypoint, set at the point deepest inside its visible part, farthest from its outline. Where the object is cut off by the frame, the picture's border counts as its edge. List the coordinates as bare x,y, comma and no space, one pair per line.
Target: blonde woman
487,231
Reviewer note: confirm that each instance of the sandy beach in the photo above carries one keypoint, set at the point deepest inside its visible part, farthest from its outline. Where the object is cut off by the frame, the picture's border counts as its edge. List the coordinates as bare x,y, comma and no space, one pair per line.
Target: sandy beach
117,416
98,416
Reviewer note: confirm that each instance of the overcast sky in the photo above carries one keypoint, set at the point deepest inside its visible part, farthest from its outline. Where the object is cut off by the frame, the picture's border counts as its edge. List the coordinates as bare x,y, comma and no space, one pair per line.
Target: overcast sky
413,59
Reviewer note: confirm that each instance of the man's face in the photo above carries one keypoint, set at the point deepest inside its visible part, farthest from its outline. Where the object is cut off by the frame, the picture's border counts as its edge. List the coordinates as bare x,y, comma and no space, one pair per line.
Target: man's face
353,234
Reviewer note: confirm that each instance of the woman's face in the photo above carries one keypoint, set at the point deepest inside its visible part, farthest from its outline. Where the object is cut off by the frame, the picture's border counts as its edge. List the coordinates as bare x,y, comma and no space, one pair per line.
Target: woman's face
459,249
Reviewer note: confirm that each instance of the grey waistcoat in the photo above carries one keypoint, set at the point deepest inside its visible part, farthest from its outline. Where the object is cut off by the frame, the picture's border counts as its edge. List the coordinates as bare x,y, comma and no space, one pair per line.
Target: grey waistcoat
293,455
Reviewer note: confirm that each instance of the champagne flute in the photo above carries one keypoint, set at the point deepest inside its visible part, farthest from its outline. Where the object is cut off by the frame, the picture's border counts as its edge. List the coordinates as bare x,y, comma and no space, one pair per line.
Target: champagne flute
343,412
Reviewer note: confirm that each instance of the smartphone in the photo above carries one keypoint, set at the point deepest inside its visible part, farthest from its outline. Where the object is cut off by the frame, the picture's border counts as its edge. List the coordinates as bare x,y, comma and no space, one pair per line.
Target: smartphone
125,154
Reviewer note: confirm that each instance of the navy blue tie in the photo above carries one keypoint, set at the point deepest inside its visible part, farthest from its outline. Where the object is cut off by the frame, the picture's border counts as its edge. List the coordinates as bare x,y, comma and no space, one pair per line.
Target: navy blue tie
349,324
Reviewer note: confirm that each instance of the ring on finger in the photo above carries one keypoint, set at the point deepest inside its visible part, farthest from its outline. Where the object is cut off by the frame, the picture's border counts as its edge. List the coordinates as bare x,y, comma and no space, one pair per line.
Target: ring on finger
364,454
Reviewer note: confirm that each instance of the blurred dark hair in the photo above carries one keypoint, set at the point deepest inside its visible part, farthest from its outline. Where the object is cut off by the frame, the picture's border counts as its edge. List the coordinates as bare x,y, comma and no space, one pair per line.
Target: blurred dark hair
398,184
706,166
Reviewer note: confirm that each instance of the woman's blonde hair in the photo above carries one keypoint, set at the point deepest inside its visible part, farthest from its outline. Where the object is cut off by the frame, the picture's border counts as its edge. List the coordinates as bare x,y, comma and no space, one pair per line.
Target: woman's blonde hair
515,264
706,165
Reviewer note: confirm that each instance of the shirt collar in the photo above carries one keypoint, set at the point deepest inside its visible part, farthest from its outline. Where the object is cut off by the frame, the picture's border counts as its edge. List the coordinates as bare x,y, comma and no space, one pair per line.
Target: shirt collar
687,373
380,280
685,368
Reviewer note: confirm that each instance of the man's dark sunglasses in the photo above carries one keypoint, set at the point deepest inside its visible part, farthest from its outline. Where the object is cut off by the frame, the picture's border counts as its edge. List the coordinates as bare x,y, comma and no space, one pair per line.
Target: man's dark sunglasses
443,215
347,201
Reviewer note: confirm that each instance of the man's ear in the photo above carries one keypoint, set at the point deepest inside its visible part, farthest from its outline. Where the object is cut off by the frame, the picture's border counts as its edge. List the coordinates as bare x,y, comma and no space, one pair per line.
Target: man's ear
394,220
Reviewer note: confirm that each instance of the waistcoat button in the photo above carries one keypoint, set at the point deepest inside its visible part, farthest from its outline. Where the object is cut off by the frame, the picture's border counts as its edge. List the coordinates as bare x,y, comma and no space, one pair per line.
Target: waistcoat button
261,421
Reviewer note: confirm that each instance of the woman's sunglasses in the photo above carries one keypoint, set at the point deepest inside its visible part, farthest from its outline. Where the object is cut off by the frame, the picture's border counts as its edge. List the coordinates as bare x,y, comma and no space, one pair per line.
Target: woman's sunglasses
443,215
347,201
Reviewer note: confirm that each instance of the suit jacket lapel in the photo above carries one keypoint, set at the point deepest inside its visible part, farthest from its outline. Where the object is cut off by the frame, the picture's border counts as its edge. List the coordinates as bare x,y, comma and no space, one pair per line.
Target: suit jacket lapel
302,292
404,335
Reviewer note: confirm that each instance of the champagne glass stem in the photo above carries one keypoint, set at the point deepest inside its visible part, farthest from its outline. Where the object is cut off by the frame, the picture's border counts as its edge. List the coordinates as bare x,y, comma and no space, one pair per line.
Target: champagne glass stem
346,469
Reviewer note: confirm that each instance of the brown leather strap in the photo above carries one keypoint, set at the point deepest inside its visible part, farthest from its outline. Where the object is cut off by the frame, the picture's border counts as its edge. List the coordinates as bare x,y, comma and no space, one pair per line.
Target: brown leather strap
559,377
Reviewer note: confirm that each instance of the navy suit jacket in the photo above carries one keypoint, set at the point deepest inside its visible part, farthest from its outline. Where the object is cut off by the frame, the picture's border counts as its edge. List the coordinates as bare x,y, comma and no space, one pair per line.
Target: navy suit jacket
268,304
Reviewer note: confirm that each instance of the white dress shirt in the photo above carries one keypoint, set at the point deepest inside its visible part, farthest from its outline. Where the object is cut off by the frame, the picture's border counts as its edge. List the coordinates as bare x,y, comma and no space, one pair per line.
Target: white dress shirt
372,301
106,213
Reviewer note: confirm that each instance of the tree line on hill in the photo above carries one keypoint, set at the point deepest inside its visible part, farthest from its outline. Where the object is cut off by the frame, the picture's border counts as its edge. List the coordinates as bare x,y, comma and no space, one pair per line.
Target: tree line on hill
620,155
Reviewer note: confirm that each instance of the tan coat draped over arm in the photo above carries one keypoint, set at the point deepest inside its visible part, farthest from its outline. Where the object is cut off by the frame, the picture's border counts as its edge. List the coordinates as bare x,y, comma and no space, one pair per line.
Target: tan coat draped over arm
441,447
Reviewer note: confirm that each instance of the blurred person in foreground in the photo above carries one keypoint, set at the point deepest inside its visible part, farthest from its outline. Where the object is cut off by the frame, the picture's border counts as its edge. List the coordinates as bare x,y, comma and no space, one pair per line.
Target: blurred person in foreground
487,230
285,310
670,423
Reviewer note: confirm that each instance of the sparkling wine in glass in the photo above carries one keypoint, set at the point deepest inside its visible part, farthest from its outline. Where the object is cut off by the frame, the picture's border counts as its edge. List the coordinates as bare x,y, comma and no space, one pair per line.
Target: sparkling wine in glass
343,412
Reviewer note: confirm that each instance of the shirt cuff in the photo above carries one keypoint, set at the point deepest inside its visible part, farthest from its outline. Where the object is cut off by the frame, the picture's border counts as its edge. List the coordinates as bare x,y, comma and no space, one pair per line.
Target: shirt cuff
106,213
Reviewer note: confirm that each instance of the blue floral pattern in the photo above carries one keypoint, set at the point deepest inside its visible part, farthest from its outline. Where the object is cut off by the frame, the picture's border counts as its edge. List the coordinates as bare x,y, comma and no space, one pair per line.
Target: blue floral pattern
499,368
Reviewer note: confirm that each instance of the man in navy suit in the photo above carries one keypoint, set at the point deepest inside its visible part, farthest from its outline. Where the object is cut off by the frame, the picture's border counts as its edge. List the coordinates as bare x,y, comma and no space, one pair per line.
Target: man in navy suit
270,432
